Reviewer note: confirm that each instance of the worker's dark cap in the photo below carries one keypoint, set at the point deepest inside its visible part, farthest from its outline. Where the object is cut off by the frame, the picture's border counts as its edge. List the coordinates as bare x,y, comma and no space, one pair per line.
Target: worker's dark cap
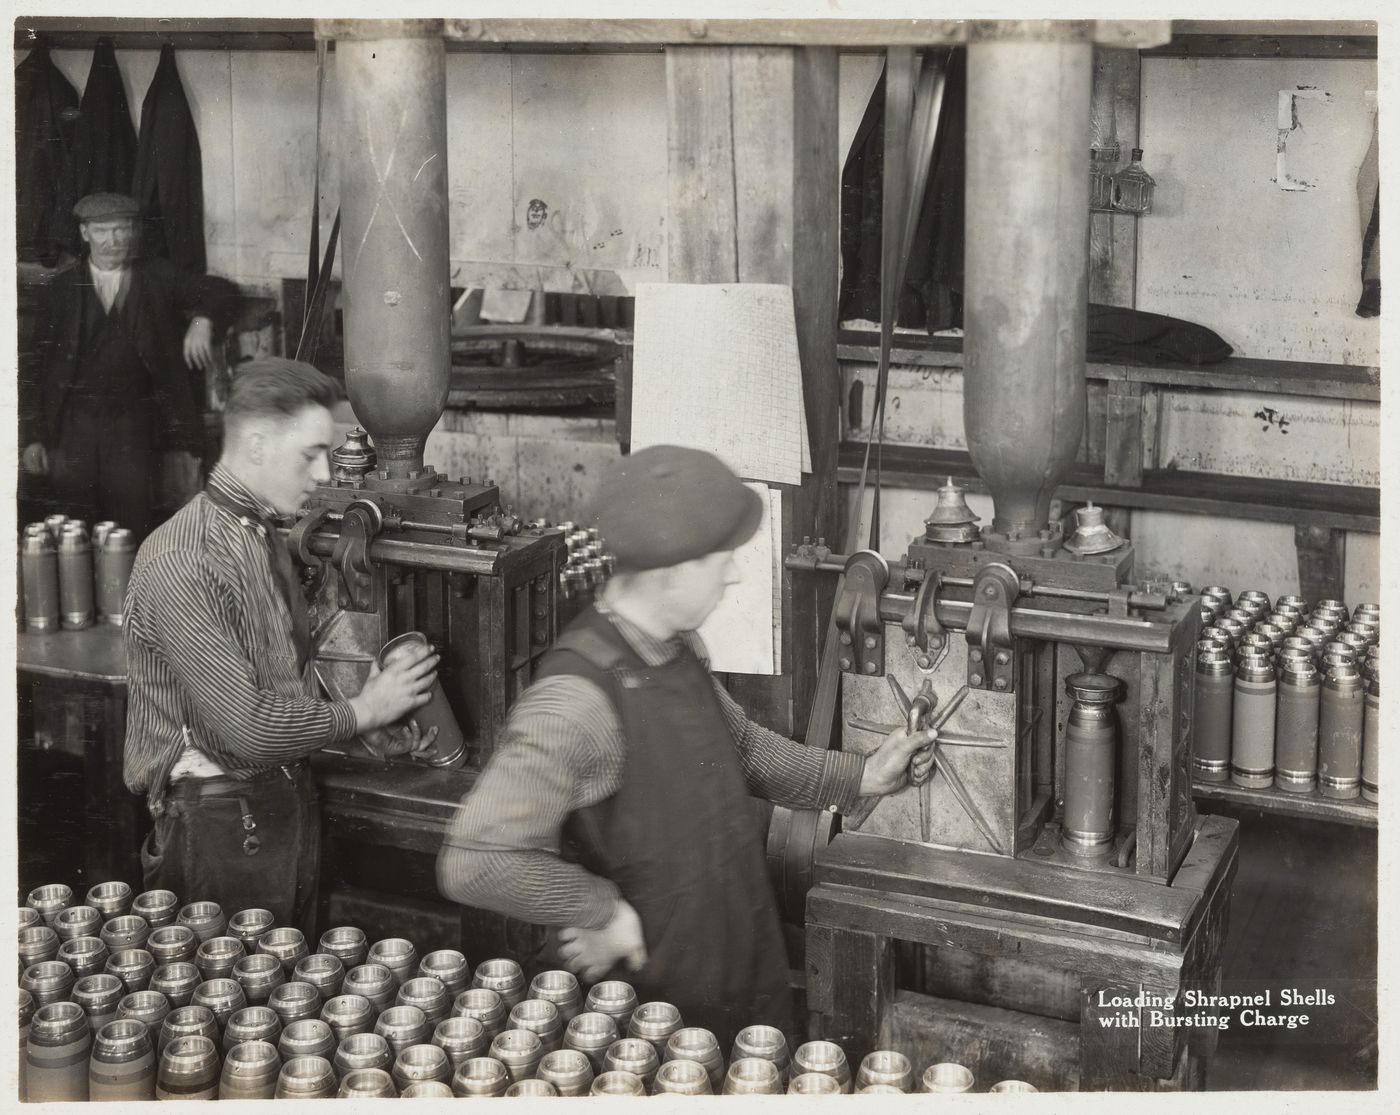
666,504
105,207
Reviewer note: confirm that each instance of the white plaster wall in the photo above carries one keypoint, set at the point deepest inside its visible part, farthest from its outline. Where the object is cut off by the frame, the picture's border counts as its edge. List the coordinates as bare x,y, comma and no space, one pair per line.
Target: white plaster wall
1284,437
272,131
1275,272
586,134
546,466
858,75
589,140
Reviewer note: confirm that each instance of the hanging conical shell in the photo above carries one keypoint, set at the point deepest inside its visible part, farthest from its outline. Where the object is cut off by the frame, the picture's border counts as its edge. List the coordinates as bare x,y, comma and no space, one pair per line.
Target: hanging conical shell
952,520
1091,534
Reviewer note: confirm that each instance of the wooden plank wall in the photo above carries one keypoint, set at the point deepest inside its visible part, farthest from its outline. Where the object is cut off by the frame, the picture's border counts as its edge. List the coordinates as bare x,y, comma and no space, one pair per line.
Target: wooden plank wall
753,197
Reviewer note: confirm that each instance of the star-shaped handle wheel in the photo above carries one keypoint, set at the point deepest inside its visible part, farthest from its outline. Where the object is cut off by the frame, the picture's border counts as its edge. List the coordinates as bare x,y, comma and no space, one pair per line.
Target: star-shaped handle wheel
916,711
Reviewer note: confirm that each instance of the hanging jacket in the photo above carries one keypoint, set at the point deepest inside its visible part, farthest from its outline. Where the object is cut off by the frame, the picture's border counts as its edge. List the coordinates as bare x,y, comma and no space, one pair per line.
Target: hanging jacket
168,182
1368,198
46,115
931,297
103,155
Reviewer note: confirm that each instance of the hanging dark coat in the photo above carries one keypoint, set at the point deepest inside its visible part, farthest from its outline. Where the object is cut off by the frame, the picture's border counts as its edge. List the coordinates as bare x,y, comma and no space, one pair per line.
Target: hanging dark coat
46,115
169,180
103,155
931,297
1368,198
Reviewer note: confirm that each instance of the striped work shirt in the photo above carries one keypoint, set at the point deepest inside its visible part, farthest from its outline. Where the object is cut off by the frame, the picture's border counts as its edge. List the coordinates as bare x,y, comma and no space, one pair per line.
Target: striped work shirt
209,648
563,750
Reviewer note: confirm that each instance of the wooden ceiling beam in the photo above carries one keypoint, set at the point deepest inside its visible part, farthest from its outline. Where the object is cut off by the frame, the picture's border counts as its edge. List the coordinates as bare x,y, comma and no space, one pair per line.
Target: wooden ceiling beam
1183,38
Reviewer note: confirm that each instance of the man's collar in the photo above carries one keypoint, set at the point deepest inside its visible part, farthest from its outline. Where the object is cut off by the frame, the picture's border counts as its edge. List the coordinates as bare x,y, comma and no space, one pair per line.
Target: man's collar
640,639
221,477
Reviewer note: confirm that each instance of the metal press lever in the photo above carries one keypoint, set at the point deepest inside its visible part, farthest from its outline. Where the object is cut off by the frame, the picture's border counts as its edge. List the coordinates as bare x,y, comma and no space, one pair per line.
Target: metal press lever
915,710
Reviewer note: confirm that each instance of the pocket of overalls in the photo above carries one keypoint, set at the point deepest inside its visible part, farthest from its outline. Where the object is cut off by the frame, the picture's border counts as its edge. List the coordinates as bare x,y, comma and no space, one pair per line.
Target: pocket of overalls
153,848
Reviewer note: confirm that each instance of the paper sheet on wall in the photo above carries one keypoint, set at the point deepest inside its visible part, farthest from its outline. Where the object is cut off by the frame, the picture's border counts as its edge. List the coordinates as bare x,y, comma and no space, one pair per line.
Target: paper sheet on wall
715,366
739,634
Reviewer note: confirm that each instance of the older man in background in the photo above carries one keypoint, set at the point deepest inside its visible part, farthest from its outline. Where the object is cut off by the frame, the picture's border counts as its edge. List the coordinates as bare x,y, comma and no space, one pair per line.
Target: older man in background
112,385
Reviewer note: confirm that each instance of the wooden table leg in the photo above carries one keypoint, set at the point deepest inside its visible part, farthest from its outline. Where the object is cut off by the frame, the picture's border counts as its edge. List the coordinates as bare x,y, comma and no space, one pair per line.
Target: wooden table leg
127,814
1110,1037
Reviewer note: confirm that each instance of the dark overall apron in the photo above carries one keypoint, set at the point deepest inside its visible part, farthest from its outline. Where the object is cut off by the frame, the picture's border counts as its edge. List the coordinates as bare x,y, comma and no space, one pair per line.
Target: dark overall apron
679,838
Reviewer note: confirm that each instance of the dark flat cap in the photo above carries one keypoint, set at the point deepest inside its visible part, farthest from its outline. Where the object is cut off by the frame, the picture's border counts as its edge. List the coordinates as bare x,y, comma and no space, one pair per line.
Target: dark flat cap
105,207
666,504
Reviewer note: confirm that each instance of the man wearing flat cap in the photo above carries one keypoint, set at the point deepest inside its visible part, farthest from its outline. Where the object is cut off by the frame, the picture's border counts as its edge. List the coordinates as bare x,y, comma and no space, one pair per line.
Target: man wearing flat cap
113,385
616,809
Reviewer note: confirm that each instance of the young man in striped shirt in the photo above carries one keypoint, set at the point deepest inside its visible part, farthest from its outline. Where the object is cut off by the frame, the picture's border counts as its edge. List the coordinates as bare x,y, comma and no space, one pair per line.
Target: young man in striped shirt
223,705
617,808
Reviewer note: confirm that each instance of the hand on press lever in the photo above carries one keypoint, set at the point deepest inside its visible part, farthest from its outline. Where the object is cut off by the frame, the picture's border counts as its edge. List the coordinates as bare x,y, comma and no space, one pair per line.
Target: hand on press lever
902,757
592,953
392,693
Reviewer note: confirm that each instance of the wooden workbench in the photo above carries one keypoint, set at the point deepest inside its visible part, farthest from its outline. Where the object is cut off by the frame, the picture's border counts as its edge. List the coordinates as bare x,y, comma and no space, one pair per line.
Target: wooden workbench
72,686
381,828
382,824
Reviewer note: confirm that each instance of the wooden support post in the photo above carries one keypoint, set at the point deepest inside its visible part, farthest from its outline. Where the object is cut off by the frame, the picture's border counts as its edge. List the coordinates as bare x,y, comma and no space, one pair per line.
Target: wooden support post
755,197
1113,116
1113,236
1123,441
1322,562
1166,814
1110,1037
1160,1047
1119,520
850,987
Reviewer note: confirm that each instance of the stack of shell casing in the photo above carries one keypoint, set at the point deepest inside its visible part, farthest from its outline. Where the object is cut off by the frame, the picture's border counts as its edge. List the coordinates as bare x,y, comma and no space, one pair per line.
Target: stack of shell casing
70,579
585,571
589,564
134,997
1288,696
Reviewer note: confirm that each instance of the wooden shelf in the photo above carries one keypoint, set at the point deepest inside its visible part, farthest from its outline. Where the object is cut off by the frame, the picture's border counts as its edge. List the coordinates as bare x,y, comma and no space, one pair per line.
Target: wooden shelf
1195,39
1356,382
1334,506
1353,811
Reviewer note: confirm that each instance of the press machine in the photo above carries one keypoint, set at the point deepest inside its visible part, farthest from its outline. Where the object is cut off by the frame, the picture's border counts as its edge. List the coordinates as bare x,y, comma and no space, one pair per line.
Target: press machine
390,544
1055,854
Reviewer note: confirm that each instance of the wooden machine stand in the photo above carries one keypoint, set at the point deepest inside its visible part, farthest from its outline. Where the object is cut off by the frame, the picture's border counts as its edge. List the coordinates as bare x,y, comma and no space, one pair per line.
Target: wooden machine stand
1070,939
955,921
